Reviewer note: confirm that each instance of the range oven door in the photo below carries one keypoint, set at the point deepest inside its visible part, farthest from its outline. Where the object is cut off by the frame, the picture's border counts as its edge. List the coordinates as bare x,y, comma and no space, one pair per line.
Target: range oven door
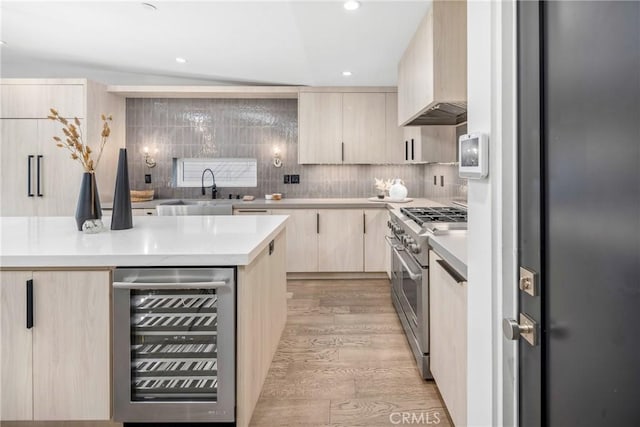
411,292
174,344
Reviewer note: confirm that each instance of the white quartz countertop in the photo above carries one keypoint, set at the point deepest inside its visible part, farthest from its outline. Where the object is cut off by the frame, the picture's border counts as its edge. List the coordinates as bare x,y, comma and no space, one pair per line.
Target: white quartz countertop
452,247
168,240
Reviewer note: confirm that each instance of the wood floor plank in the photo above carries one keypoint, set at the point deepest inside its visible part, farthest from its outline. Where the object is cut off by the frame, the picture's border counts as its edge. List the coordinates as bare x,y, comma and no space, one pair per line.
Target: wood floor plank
344,361
377,412
271,412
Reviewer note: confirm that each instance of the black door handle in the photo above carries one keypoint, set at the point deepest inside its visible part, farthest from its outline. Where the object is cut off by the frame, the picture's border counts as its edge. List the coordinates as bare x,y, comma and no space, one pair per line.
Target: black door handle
342,152
406,150
412,150
29,303
317,223
29,158
38,175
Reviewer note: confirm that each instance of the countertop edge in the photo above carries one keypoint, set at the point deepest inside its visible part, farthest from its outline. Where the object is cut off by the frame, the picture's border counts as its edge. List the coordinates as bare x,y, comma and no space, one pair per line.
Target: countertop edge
441,249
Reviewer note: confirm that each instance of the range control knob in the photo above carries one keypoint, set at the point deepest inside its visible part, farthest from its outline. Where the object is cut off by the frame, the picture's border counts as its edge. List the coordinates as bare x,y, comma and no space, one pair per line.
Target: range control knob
408,240
399,230
414,247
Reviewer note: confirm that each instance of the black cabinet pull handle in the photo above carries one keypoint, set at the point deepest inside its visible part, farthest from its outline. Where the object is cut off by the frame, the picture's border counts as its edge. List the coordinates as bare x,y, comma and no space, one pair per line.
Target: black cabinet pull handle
406,150
342,152
38,176
412,150
29,158
317,223
364,223
29,303
450,271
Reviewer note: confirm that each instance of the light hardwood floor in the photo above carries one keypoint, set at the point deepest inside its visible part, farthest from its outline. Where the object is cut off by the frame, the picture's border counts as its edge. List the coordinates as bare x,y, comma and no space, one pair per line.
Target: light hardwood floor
343,360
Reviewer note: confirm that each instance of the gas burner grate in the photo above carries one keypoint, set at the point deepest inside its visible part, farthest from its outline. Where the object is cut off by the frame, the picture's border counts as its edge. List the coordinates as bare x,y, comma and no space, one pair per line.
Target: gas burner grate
436,214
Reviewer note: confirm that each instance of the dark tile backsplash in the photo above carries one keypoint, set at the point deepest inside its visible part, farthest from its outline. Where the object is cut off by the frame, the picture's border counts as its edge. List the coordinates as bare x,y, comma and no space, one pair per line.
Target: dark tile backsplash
252,128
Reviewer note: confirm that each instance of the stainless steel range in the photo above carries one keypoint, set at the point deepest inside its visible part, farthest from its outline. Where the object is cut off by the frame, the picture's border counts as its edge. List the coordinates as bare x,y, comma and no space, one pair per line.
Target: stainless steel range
410,229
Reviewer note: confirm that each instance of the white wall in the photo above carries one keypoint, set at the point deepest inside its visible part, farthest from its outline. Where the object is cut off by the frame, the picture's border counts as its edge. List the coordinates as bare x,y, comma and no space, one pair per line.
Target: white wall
491,267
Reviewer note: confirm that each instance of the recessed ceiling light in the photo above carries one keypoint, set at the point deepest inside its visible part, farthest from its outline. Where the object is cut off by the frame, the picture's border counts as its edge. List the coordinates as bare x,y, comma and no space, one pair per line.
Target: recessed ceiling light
351,4
180,60
347,73
149,7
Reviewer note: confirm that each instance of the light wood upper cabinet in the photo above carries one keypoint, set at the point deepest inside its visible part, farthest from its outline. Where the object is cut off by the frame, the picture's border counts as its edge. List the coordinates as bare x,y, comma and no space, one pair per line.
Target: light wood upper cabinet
448,338
33,101
430,144
60,368
395,146
302,239
346,128
27,132
340,240
376,253
433,68
364,122
16,371
320,128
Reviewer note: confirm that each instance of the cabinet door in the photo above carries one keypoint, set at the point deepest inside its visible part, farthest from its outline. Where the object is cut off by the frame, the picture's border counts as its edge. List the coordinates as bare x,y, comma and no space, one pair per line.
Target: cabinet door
320,128
376,255
16,380
394,133
19,141
413,144
448,338
340,240
59,176
438,144
363,128
25,101
71,345
302,239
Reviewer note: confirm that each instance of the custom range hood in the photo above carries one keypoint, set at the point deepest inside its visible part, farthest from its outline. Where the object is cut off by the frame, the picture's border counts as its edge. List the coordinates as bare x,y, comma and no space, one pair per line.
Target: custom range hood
432,73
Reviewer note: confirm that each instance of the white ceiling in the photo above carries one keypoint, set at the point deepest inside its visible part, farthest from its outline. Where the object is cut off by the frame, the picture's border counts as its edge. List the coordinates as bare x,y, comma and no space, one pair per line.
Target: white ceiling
232,42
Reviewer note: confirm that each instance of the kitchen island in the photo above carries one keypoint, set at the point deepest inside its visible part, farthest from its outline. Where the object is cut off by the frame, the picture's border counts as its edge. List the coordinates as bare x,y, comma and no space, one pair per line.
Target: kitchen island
56,337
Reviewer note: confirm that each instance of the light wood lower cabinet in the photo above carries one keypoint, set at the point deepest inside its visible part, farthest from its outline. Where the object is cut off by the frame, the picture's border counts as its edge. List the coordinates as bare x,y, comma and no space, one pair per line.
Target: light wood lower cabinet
262,313
376,253
448,337
59,369
302,239
340,240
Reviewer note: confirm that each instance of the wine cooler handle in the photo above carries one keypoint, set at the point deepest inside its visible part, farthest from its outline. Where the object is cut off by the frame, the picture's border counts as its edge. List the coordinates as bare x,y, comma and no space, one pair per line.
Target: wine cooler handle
184,285
29,303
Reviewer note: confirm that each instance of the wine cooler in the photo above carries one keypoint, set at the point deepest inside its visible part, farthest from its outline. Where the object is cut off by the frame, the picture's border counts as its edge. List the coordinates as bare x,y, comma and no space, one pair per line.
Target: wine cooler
174,344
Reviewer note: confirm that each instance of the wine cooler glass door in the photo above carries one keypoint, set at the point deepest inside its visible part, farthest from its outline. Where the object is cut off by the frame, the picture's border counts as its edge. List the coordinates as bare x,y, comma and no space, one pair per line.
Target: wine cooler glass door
174,344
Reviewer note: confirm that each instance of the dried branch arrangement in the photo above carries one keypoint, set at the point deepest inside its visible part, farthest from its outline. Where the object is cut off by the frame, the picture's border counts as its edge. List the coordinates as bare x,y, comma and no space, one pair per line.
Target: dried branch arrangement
74,142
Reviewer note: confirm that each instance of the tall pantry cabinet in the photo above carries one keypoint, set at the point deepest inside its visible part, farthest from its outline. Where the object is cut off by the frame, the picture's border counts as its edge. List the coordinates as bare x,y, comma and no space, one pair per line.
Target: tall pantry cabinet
40,179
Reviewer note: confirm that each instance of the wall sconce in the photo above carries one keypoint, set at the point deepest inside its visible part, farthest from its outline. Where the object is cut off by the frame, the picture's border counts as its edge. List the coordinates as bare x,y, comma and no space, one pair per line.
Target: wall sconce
148,160
277,161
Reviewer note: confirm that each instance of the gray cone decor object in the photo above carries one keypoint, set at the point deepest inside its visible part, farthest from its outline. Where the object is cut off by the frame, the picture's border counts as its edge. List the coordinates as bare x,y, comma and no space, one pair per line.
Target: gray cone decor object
122,217
88,200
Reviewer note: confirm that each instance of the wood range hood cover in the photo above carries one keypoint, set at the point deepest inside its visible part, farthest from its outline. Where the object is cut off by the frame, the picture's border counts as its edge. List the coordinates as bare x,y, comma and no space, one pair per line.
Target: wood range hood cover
432,73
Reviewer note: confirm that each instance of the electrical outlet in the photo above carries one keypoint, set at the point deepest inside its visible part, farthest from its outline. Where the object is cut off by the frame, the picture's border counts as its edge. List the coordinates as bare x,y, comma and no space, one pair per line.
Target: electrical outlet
435,180
147,178
295,179
286,179
441,180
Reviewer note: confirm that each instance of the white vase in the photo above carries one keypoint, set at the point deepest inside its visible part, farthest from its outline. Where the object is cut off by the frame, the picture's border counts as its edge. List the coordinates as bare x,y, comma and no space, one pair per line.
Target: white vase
398,191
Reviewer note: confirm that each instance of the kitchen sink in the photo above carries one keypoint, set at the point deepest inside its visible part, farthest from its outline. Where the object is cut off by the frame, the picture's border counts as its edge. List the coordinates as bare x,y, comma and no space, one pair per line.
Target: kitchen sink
194,207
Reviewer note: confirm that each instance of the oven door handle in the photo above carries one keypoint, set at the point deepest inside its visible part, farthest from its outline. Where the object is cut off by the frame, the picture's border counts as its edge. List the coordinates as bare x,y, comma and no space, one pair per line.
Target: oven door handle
412,275
391,244
184,285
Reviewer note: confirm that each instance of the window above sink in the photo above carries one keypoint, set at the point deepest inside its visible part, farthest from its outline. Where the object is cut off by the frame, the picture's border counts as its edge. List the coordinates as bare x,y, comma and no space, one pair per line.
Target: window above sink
229,172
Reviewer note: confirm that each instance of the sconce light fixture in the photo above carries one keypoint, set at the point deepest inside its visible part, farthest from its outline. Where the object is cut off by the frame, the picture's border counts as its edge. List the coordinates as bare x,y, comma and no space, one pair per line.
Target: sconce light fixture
148,160
277,161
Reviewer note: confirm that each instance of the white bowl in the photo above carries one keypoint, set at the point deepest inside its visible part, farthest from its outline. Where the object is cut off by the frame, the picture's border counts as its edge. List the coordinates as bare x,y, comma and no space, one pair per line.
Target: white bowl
268,197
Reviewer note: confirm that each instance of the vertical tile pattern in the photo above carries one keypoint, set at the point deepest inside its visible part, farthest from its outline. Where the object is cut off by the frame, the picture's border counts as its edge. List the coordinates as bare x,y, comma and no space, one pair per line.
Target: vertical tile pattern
454,189
242,128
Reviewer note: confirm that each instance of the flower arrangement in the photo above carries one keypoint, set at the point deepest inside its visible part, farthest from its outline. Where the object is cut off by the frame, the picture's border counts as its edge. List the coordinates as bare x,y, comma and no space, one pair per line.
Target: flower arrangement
73,139
383,185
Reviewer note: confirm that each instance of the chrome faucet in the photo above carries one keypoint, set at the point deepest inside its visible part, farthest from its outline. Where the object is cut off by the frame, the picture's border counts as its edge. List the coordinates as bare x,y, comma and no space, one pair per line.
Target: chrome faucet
214,189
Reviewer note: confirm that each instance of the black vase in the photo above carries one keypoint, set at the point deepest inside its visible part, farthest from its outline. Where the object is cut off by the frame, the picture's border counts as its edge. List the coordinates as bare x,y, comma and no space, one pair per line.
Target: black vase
88,200
122,217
